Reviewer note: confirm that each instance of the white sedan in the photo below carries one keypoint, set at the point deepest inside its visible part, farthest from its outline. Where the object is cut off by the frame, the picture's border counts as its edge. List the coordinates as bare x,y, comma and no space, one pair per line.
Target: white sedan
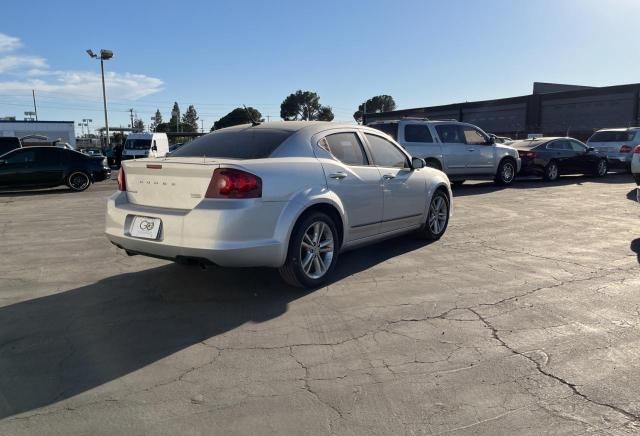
288,195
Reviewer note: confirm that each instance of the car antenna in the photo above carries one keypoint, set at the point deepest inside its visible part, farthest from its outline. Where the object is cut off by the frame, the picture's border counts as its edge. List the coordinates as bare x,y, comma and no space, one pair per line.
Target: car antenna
253,122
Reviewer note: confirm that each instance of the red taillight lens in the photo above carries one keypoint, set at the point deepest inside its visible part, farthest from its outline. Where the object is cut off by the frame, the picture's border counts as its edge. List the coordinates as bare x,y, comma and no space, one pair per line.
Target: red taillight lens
122,180
232,183
526,154
637,149
625,149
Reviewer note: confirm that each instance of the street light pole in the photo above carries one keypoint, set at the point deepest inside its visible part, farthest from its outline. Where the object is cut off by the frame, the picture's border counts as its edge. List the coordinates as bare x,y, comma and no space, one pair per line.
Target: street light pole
104,100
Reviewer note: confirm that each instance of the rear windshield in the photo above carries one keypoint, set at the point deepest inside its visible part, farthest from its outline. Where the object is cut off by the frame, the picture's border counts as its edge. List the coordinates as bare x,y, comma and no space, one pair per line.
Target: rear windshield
249,143
612,136
390,129
7,144
528,143
137,144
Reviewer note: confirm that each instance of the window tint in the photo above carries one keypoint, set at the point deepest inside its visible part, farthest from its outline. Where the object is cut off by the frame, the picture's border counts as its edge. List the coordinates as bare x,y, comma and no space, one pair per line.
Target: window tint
385,154
390,129
449,133
8,143
559,145
21,156
576,146
417,133
247,143
346,147
473,136
48,155
612,136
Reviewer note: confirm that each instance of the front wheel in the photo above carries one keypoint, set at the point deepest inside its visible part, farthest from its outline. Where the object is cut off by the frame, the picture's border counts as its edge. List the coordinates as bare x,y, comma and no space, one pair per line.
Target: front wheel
506,172
601,168
437,217
313,252
78,181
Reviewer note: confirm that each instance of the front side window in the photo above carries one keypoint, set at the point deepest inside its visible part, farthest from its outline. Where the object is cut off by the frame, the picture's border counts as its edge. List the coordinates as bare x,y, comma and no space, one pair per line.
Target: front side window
450,133
21,157
346,147
417,133
386,154
473,136
576,146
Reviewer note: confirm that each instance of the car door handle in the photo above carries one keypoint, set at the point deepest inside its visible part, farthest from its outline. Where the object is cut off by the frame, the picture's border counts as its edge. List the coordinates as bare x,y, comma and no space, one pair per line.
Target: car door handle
339,175
389,177
471,149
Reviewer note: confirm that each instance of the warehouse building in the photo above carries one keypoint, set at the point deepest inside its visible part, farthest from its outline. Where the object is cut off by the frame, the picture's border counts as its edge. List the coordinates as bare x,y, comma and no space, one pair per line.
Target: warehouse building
61,131
551,110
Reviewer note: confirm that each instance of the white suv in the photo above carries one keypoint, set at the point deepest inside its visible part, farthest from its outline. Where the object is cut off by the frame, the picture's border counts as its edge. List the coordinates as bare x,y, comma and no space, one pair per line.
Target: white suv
463,151
616,144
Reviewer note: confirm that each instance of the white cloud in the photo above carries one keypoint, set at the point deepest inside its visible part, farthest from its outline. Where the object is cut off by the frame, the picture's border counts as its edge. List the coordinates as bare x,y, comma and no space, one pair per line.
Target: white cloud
34,73
9,63
8,43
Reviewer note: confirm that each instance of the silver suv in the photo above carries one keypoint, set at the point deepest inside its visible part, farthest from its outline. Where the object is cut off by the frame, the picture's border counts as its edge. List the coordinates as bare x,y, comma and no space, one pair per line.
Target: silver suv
463,151
616,144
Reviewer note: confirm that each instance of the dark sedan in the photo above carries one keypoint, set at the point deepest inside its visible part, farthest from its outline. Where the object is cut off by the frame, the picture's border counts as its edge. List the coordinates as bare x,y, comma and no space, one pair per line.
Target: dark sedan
46,167
549,158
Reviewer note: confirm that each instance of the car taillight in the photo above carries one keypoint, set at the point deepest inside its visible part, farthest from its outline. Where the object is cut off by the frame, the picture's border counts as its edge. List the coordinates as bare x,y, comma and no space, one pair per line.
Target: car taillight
625,149
637,149
527,154
233,183
122,180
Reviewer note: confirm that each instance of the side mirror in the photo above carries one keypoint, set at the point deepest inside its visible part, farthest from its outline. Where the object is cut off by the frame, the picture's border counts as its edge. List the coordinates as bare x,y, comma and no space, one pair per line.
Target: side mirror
491,140
417,163
590,149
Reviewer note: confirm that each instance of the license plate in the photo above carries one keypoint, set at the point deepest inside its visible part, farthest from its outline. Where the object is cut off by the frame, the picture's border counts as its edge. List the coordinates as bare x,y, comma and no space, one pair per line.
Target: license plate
145,227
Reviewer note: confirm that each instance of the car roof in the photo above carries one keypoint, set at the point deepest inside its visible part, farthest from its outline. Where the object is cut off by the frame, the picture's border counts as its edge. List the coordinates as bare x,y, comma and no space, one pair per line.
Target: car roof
620,129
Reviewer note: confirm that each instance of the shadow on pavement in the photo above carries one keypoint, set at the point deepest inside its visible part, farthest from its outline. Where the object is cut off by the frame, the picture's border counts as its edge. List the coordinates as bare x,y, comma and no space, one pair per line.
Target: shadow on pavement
29,192
634,194
635,247
61,345
527,183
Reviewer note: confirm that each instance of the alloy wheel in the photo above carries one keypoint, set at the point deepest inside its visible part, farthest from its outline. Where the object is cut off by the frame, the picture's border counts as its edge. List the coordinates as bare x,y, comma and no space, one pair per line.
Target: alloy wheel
438,213
602,167
317,250
79,181
552,171
508,172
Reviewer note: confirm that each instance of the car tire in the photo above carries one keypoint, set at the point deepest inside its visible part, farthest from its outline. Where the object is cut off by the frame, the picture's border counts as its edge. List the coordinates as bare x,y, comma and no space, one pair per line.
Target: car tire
78,181
602,168
437,217
551,172
506,172
313,251
433,163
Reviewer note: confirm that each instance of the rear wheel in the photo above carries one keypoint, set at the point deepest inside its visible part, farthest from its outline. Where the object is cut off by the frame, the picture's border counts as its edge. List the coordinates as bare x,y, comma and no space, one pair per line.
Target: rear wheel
551,171
313,251
601,168
506,172
78,181
437,217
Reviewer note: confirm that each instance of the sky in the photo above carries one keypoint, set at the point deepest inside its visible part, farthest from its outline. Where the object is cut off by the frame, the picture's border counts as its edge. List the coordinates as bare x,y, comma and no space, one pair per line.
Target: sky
218,55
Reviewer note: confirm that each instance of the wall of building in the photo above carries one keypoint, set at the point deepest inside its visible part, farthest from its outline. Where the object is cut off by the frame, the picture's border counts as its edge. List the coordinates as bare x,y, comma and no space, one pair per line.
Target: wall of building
63,130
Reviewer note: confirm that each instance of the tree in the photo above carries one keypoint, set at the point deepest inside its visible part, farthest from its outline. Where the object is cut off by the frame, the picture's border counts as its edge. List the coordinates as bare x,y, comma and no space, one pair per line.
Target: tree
304,105
190,118
157,119
175,114
138,125
238,116
171,127
379,103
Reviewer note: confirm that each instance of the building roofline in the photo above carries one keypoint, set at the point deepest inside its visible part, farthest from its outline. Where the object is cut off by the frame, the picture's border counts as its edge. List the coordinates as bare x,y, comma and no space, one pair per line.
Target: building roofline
36,122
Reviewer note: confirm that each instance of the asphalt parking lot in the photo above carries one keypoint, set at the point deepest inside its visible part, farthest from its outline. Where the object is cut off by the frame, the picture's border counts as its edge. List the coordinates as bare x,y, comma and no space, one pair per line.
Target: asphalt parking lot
523,319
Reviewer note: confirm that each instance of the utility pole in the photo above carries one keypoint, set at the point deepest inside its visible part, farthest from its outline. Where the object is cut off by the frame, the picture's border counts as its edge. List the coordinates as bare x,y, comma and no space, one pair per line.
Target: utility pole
35,108
105,55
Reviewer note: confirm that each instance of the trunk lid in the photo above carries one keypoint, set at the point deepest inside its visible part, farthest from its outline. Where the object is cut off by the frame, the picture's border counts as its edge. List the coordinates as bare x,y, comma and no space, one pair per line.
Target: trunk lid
176,183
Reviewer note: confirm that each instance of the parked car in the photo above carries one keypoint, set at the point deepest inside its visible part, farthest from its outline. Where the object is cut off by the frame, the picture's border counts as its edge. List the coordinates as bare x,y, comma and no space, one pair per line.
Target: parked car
141,145
463,151
47,166
501,139
616,145
635,164
8,143
552,157
290,195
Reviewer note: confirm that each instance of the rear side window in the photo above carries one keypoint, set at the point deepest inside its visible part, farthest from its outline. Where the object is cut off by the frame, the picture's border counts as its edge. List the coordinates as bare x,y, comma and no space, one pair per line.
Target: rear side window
385,154
48,155
21,156
612,136
417,133
346,147
249,143
390,129
559,145
450,133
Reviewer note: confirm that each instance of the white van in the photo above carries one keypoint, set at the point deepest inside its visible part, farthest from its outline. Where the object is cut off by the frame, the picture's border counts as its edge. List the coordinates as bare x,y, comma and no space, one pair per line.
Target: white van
146,144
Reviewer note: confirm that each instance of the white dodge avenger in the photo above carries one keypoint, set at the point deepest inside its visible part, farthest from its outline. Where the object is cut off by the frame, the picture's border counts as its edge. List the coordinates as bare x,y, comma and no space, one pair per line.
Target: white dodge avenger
289,195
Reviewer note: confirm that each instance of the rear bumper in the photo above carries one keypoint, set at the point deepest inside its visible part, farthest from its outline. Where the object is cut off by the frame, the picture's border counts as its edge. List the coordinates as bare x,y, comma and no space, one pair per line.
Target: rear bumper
242,236
530,168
